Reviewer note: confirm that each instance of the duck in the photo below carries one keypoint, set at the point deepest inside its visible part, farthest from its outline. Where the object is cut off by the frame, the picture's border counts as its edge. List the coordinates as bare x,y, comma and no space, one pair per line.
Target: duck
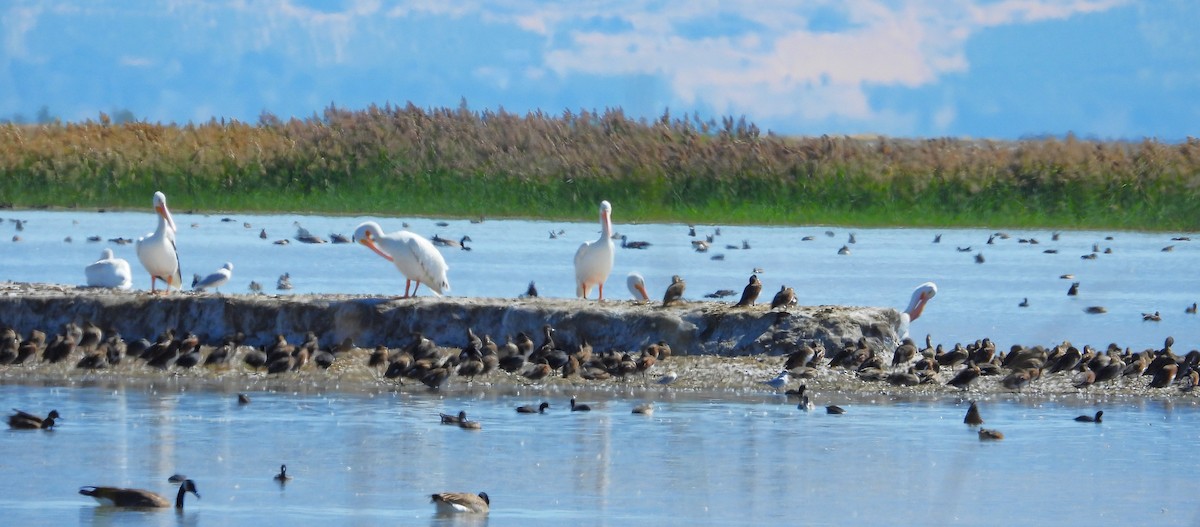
138,498
674,292
27,421
469,425
530,409
973,418
461,503
579,407
987,434
448,419
1091,418
750,292
785,297
644,408
282,476
835,409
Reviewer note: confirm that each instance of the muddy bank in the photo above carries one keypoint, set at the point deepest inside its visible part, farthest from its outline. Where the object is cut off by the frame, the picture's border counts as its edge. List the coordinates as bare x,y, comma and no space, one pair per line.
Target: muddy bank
701,328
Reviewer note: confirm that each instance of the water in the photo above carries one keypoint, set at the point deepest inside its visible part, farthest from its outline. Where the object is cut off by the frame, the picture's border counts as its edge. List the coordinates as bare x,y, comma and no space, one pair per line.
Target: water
370,458
372,455
882,269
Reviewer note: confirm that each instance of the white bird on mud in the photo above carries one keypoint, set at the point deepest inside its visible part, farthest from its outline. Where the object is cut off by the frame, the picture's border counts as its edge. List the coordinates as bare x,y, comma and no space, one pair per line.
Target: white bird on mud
916,305
416,257
109,272
637,287
215,280
156,250
779,381
594,260
667,378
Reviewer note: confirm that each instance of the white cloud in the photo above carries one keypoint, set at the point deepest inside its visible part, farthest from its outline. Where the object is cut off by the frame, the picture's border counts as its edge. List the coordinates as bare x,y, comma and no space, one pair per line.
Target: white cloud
780,66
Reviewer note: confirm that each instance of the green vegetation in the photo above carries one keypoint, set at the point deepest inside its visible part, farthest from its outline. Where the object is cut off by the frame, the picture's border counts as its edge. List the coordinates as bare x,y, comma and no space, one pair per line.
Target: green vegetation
408,161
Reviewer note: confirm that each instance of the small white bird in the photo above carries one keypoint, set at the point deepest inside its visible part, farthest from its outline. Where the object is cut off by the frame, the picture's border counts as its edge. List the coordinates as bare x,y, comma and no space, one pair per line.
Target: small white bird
668,378
109,272
637,287
215,280
780,381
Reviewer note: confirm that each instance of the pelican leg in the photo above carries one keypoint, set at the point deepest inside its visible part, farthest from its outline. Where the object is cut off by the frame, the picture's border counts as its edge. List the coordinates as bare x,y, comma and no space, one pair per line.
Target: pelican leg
416,287
152,283
601,292
407,284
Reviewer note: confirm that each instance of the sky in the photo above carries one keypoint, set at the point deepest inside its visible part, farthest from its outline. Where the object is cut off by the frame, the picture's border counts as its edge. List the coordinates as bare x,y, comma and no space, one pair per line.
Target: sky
1001,69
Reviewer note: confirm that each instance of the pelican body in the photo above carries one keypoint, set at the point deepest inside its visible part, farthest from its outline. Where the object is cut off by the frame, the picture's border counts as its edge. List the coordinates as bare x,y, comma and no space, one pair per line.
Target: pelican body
594,260
109,272
637,287
416,257
156,250
217,279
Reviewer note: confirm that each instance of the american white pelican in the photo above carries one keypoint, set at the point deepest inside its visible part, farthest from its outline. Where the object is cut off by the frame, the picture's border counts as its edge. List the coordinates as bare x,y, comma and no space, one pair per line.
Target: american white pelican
461,502
109,272
594,260
215,280
916,305
416,257
157,250
637,287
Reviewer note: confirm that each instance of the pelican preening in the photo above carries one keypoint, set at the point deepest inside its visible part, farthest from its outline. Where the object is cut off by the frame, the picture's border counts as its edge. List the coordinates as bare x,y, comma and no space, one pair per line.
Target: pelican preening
109,271
156,250
594,260
637,287
916,305
416,257
215,280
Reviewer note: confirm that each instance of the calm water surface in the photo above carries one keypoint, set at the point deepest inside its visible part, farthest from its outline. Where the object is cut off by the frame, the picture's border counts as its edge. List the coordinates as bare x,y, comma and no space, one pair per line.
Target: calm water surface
373,458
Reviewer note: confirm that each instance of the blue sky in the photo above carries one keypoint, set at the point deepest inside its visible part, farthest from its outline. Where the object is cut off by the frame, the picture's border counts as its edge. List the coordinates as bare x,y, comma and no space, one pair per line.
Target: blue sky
1107,69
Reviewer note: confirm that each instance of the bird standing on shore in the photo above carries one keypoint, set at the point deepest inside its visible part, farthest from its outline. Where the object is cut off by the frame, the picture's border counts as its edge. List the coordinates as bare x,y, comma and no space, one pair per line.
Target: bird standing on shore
674,291
413,255
109,271
594,260
916,305
156,250
751,292
785,297
215,280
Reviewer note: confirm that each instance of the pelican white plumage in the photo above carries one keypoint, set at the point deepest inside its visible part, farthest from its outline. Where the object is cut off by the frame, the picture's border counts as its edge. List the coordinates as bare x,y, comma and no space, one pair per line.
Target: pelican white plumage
156,250
215,280
594,260
916,305
416,257
637,287
109,271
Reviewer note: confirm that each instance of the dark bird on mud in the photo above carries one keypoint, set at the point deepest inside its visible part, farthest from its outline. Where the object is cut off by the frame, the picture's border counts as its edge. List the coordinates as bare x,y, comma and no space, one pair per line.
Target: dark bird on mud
751,292
785,297
26,421
965,377
674,291
531,291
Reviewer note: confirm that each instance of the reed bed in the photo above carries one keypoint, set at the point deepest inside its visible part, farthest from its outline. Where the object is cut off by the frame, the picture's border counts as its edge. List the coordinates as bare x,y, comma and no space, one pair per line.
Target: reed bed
405,160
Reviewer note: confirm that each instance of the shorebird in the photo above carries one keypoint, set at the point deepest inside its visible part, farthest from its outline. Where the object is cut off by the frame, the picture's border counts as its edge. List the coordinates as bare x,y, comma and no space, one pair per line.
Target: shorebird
780,380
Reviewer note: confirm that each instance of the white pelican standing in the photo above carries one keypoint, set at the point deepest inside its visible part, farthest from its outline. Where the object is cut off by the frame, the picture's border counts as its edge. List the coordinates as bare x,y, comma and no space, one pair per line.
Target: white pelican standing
215,280
920,297
109,272
416,257
594,260
157,250
637,287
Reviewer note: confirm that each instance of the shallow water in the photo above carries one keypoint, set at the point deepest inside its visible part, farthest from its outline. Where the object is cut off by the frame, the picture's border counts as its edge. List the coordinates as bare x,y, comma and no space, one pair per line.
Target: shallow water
373,457
882,269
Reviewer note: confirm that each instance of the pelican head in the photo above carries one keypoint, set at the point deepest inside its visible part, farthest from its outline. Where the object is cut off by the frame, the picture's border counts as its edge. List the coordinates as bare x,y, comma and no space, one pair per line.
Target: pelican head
637,287
366,234
920,297
160,206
